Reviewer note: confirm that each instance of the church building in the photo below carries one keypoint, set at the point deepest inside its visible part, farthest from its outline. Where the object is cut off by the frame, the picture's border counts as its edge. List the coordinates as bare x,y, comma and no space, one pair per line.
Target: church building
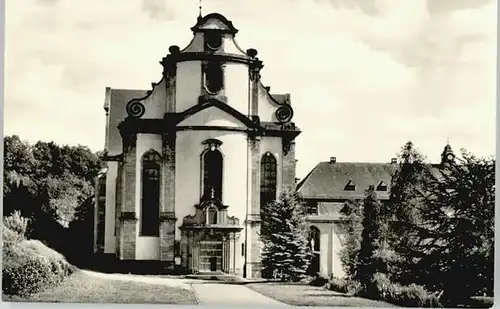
190,161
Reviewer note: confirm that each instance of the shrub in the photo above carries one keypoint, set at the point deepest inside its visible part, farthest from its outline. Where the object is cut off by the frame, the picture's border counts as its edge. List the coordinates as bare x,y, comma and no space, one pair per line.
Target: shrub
349,287
408,296
16,223
318,281
11,237
14,228
29,267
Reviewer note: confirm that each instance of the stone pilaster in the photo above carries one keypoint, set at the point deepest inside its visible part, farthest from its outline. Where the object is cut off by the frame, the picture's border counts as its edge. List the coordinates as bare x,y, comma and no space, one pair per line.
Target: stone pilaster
118,207
254,76
128,218
184,247
96,212
170,73
254,149
288,166
252,222
331,233
237,265
167,200
232,258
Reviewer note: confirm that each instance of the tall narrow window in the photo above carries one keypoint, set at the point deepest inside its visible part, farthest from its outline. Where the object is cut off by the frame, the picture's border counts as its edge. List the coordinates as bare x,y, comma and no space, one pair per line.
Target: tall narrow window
150,207
267,179
212,174
214,77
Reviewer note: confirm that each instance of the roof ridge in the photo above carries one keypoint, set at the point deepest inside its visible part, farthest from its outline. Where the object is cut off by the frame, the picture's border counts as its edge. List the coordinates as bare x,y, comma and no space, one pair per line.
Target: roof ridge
355,162
127,89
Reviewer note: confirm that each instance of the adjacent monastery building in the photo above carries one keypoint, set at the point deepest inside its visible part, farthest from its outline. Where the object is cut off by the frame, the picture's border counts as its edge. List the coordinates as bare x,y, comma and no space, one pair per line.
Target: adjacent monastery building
190,161
328,187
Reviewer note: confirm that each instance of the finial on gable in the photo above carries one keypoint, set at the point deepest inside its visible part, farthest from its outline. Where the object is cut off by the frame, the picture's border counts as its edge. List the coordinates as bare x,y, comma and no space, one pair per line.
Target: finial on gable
199,15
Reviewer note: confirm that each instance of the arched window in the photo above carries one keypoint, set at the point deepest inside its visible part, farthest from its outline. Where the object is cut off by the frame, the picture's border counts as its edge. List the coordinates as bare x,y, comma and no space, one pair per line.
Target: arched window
314,239
150,206
212,174
267,179
211,213
214,77
314,245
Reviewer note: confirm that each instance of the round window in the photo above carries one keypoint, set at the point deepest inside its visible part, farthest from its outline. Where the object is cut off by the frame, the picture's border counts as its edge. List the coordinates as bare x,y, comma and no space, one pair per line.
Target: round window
213,40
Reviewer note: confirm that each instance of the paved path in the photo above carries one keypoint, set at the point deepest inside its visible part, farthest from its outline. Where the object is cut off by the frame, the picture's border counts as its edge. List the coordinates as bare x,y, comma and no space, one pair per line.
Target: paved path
231,295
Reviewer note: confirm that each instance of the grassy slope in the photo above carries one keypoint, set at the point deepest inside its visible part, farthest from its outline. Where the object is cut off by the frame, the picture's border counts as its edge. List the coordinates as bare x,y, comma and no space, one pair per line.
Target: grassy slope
81,287
305,295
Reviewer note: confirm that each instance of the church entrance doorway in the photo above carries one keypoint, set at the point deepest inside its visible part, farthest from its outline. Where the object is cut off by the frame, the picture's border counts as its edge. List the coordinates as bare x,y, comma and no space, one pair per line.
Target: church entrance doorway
211,256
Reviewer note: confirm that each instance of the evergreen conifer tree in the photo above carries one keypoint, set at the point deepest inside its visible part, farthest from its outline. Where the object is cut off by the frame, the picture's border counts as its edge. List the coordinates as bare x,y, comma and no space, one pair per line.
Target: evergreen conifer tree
284,235
352,215
369,262
456,239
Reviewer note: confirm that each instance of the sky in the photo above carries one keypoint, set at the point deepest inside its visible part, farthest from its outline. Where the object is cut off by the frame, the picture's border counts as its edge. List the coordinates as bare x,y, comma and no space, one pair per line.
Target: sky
365,76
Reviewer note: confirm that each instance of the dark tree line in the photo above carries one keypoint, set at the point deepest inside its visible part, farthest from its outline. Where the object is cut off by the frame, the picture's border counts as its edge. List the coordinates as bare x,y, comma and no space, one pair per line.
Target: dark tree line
436,230
49,184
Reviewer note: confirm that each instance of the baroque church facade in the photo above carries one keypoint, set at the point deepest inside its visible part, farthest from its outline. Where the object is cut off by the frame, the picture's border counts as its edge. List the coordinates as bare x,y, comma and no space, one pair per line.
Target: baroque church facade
190,161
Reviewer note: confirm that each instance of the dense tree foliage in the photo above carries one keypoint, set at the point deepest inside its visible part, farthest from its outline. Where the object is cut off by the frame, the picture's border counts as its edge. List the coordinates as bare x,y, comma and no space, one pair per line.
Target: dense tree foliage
284,234
403,212
352,215
47,183
436,232
456,236
369,262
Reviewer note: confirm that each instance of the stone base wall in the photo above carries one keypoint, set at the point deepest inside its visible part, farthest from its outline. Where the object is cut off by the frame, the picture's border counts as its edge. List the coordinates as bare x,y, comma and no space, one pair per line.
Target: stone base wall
128,239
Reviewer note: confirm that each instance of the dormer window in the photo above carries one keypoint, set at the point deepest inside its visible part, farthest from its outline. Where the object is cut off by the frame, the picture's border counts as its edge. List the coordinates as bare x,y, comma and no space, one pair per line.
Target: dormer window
213,40
382,186
214,77
350,186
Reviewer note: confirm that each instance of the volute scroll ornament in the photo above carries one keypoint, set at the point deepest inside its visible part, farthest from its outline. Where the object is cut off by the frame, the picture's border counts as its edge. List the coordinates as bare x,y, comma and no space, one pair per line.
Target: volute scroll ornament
284,114
135,109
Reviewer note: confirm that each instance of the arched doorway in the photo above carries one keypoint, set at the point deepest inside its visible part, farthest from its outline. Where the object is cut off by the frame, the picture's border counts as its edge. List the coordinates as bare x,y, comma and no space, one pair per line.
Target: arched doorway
315,246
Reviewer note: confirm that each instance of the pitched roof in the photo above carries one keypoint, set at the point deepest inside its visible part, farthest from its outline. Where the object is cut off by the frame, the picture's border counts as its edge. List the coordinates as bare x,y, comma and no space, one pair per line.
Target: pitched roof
328,180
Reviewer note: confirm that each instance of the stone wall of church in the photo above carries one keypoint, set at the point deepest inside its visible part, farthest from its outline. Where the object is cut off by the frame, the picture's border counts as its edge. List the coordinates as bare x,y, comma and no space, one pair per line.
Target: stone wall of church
155,102
236,86
188,89
147,247
267,107
109,217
